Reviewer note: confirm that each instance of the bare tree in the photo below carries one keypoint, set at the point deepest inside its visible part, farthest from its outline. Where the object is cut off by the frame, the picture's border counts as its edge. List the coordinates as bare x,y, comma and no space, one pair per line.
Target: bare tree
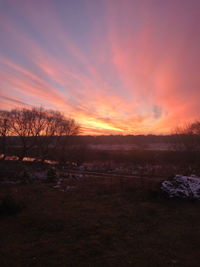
45,140
187,146
4,130
187,137
39,130
28,125
56,127
195,128
66,128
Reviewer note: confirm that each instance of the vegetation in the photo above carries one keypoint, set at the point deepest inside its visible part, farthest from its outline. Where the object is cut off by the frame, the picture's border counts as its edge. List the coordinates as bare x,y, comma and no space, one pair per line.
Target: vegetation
101,222
35,129
187,137
9,206
51,217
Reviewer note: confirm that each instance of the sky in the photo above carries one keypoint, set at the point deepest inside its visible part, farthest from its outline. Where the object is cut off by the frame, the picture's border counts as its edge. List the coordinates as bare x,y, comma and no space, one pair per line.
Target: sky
115,66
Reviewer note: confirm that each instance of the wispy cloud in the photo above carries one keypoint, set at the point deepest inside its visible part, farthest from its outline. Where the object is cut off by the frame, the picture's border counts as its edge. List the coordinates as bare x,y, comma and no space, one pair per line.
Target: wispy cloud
116,67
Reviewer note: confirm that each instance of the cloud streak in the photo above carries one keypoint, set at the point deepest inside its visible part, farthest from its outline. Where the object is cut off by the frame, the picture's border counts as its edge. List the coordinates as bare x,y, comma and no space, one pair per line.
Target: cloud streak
117,67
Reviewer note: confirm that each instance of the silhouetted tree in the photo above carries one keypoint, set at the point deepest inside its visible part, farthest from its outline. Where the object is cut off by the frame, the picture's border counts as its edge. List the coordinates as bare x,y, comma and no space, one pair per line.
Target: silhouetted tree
40,129
56,127
28,124
66,128
4,130
187,137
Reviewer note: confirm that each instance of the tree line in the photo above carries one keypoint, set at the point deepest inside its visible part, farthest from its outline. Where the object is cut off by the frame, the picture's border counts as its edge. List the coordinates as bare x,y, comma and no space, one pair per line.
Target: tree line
38,130
49,135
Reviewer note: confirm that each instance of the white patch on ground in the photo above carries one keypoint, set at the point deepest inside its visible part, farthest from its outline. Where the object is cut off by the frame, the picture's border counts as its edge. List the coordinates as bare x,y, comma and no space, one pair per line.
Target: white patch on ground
182,187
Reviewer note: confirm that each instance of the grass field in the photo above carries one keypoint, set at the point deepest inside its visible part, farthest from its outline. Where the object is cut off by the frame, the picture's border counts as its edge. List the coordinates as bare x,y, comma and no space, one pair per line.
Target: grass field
101,222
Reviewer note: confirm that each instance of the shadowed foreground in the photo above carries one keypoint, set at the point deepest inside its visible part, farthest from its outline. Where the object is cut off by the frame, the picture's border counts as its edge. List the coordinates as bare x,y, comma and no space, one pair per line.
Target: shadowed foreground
101,222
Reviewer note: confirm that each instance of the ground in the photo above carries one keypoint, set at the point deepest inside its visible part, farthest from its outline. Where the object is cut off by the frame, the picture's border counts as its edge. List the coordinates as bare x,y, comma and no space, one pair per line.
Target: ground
101,222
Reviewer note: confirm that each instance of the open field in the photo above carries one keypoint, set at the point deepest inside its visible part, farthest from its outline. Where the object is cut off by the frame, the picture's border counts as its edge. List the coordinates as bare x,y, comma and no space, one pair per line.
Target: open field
128,147
99,222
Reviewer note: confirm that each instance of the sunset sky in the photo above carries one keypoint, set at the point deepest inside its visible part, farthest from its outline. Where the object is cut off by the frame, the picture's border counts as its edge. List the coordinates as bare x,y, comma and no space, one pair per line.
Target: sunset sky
115,66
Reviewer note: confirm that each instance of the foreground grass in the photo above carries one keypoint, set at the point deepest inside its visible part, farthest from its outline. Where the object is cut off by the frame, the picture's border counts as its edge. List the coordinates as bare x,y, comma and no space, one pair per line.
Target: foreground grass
100,223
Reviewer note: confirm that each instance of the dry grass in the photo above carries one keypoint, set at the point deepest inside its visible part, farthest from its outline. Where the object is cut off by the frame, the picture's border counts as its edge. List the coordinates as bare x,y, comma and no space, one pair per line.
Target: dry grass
102,222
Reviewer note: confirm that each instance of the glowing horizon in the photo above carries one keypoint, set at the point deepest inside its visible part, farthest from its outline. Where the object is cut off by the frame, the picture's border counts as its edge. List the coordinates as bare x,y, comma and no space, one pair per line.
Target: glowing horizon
115,66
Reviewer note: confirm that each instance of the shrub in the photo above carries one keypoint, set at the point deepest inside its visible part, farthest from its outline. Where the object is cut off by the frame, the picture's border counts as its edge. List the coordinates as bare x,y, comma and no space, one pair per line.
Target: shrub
9,206
51,176
25,177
